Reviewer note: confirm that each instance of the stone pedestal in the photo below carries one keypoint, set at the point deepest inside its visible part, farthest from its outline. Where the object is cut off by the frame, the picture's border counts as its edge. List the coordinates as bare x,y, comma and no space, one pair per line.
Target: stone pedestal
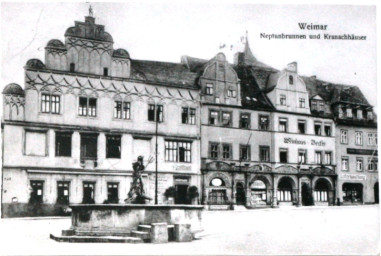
159,233
183,233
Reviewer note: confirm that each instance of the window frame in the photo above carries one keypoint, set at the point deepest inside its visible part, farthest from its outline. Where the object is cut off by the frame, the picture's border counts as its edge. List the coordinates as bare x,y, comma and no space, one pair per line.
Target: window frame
248,152
282,99
217,151
330,129
191,120
302,103
125,110
158,111
266,148
361,141
44,103
89,111
283,150
347,163
230,151
305,126
359,160
248,120
230,123
341,136
209,89
286,126
302,150
109,152
63,134
319,132
172,151
318,153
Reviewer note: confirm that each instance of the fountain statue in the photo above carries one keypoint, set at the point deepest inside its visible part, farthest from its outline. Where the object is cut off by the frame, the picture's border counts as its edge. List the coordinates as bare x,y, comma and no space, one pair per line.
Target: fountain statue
136,195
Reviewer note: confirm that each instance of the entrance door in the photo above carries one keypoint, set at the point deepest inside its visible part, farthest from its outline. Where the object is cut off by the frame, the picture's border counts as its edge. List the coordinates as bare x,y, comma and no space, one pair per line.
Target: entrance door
306,195
240,194
181,194
376,193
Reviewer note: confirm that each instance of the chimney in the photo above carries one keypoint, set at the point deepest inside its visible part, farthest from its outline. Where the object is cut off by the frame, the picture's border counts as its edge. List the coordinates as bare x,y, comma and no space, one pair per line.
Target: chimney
293,67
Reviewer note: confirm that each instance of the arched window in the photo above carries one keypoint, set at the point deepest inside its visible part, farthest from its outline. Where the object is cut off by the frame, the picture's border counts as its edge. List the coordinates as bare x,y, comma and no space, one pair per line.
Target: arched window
321,190
285,190
217,182
290,79
258,190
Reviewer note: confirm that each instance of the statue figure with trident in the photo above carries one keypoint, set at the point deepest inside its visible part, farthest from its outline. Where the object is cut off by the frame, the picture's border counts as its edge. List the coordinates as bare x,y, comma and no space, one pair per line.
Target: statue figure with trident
136,195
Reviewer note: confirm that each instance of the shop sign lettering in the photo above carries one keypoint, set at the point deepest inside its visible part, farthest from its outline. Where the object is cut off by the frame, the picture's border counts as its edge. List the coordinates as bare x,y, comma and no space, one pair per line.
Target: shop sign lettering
359,177
303,142
182,167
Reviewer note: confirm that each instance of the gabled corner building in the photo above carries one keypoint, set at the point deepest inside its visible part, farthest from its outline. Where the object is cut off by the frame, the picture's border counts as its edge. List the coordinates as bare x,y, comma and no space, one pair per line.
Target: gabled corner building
243,133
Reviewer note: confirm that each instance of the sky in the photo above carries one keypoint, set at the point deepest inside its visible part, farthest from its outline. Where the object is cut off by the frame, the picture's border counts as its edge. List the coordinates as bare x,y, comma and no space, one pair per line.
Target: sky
165,31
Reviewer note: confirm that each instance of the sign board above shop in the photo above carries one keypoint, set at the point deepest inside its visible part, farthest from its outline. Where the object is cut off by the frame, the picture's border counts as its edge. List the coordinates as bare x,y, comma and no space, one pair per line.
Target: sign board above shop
357,177
311,142
357,151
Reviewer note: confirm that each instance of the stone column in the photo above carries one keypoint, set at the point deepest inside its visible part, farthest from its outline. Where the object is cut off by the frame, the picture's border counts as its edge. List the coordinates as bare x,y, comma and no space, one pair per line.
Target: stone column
299,203
101,150
204,193
76,148
233,201
274,202
247,190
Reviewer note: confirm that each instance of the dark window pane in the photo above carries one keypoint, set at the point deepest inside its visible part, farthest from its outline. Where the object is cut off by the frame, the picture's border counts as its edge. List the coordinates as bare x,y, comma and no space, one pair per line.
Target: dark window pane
63,144
113,144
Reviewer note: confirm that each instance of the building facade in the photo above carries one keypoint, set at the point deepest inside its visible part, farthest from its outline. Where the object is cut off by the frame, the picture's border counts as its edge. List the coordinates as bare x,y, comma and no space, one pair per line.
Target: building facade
243,133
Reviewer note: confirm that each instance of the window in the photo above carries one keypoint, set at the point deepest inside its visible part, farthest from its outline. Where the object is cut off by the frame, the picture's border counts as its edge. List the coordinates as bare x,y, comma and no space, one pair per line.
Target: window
226,151
328,158
283,100
359,164
50,103
217,100
226,119
88,192
372,138
372,164
188,116
214,152
302,156
214,117
244,153
358,138
105,71
264,153
244,120
327,130
63,192
349,112
344,163
370,115
317,127
318,157
122,110
282,124
87,106
178,151
37,193
159,113
302,103
72,67
290,79
113,192
113,146
232,93
313,105
209,89
63,143
283,155
302,126
321,106
359,114
35,143
89,148
343,136
263,123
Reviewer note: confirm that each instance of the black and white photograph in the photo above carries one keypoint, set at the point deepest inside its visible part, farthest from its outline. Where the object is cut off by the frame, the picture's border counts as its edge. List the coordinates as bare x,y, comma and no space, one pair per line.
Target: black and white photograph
180,128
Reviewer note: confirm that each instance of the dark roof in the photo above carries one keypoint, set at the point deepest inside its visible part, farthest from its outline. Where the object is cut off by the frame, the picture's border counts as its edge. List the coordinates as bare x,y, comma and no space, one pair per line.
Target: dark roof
14,89
35,63
55,43
164,72
121,53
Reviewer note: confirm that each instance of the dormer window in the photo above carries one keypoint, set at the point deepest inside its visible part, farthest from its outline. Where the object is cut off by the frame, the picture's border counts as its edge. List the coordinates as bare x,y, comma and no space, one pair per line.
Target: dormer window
283,100
313,105
349,112
370,115
321,106
72,67
232,93
359,114
209,89
290,79
105,71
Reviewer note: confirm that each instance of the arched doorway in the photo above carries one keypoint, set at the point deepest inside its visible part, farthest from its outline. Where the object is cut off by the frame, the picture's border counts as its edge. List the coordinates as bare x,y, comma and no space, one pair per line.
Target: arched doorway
240,194
307,199
321,191
376,193
285,187
258,193
217,193
352,192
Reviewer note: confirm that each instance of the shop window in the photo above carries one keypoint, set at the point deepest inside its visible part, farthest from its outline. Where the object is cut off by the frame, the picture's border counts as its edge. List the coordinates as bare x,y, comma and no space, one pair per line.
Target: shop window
226,119
302,126
344,164
113,146
359,164
188,115
358,138
63,144
213,117
122,110
302,103
113,192
87,107
352,192
244,120
50,103
302,156
158,109
258,191
317,127
214,151
327,130
88,192
37,193
35,143
343,136
209,89
264,123
328,158
321,191
244,152
284,193
226,151
218,197
178,151
282,124
63,188
283,155
264,153
318,157
282,100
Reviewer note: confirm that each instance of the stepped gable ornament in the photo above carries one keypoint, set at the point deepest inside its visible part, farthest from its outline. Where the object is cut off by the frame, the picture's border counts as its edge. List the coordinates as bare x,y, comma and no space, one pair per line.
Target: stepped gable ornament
136,195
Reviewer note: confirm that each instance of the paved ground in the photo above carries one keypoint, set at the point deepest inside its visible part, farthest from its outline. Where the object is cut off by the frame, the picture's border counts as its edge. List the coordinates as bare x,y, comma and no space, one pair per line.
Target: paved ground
286,231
